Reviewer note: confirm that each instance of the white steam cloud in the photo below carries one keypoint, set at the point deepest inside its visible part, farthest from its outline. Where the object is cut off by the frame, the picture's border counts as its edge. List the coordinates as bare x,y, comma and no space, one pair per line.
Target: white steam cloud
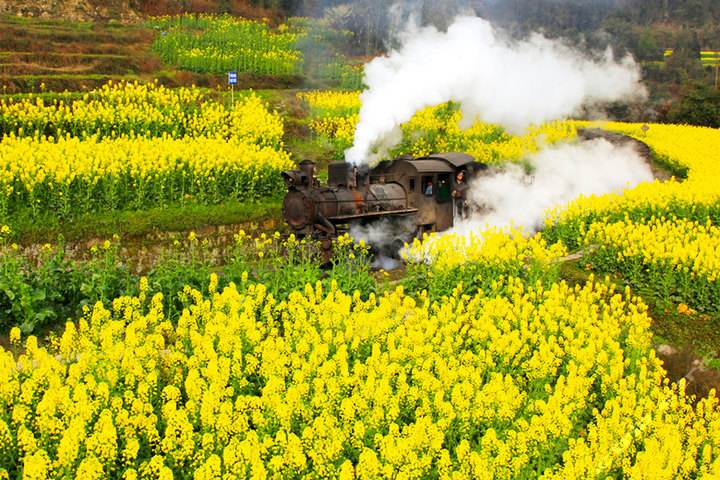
509,82
560,174
386,236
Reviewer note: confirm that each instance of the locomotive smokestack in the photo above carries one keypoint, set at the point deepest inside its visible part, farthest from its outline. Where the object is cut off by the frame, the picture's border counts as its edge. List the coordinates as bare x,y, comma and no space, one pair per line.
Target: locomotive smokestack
307,167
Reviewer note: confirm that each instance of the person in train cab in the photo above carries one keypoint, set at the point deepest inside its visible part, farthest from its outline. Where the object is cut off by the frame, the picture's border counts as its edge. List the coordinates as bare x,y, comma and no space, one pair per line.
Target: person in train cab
428,189
352,183
459,194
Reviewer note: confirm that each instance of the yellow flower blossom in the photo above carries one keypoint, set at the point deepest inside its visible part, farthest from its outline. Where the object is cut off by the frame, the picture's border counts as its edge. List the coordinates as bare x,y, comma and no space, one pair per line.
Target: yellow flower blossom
398,385
15,335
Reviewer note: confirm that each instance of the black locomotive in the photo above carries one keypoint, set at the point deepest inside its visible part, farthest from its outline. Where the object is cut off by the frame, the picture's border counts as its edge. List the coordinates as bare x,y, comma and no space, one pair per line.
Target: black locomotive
416,189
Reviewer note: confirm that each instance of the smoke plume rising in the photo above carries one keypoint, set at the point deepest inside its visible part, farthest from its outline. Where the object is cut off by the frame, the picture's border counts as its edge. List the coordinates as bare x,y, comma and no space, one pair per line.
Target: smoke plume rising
560,174
514,83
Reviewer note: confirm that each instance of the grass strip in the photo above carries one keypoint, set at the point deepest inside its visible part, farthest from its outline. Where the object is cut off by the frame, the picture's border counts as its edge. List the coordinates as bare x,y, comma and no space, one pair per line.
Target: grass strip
136,223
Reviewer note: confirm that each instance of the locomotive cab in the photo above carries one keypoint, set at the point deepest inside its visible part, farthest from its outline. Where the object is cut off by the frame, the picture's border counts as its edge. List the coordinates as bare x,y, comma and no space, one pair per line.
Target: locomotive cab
429,182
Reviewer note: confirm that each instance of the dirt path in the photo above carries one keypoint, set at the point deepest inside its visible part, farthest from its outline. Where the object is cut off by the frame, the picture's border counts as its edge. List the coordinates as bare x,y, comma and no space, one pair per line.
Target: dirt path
659,171
684,364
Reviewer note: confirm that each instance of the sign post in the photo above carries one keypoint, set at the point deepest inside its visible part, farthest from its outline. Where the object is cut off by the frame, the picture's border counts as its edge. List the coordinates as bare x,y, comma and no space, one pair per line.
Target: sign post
232,81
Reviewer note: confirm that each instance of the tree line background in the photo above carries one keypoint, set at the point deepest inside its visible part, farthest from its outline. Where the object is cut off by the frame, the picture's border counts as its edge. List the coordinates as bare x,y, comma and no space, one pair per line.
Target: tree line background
681,88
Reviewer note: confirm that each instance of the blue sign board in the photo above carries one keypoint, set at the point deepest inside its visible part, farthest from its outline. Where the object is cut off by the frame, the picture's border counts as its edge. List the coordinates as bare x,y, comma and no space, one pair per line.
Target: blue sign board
232,78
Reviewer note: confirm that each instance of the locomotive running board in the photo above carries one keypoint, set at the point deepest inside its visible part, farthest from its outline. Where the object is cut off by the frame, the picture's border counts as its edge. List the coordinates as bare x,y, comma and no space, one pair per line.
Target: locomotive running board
386,213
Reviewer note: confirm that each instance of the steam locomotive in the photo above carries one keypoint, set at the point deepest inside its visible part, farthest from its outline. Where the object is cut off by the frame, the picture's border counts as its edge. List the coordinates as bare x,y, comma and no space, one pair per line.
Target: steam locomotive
414,190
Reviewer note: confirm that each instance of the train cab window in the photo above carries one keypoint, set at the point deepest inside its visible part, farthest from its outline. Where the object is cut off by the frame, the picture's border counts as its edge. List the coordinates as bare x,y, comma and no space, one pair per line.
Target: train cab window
411,184
427,186
443,188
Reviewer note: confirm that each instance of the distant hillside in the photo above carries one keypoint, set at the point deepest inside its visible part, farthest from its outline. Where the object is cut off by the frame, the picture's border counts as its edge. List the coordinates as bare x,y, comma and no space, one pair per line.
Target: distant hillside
131,10
73,10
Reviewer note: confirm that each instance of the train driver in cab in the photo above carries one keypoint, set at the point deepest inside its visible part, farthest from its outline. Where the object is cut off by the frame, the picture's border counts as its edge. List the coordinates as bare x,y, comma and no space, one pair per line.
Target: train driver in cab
429,189
459,194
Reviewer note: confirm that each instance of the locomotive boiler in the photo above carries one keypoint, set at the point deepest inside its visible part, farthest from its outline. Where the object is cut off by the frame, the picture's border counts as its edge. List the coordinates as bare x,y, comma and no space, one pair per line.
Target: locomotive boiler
417,190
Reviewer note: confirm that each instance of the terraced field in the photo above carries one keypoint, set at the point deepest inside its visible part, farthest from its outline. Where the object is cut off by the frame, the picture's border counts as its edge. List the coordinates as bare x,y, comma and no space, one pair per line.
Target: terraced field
38,55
